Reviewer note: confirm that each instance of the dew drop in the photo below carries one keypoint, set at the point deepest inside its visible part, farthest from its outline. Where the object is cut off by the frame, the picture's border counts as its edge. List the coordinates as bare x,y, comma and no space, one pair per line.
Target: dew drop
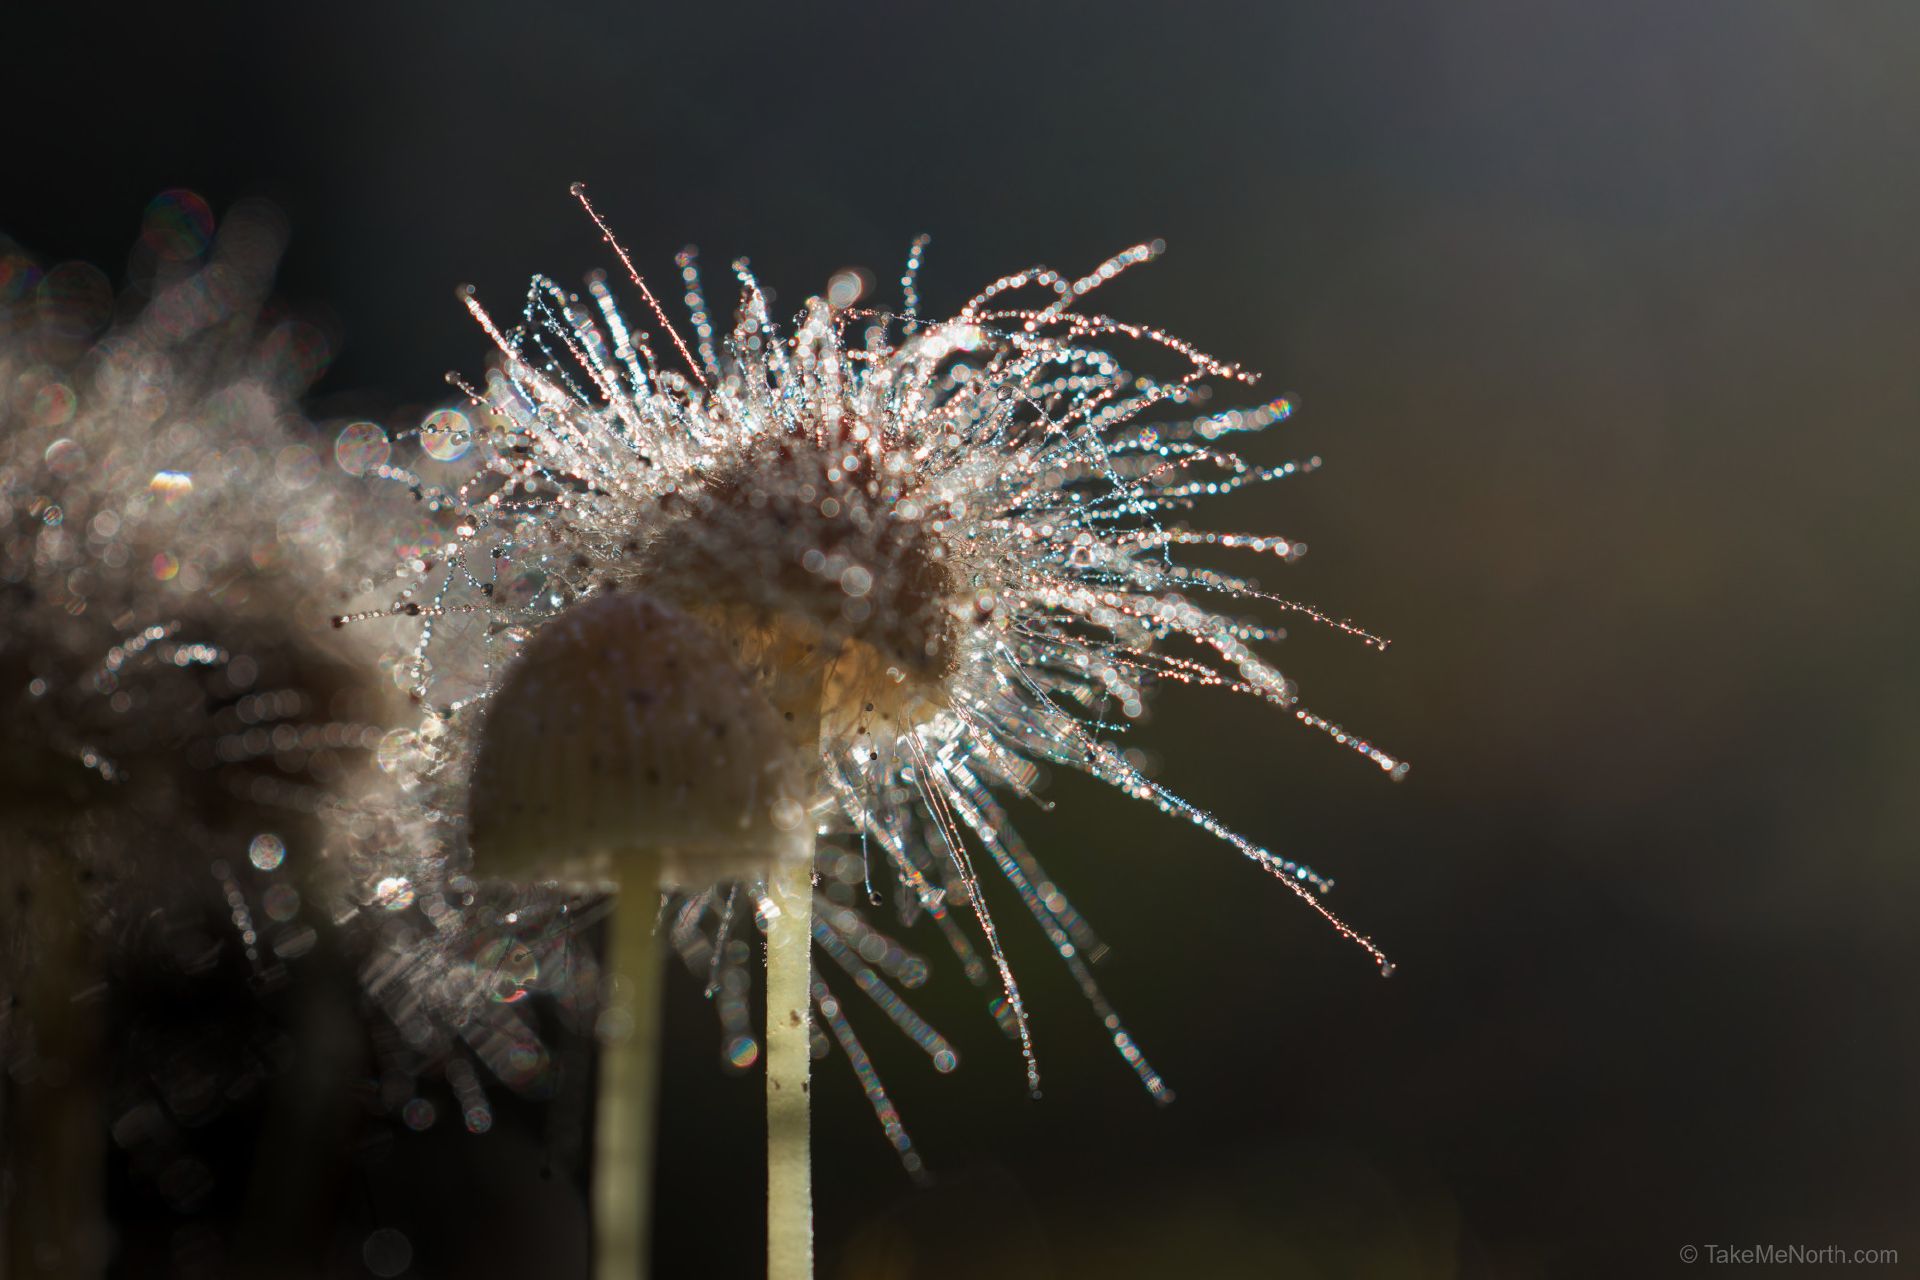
742,1052
446,435
267,851
361,447
394,893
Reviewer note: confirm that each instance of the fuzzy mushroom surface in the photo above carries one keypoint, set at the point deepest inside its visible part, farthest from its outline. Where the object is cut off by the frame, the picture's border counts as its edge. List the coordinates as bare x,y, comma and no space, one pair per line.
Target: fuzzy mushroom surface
624,734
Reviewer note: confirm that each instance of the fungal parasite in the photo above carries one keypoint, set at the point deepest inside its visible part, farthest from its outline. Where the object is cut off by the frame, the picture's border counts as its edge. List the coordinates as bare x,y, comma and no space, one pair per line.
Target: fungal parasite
944,549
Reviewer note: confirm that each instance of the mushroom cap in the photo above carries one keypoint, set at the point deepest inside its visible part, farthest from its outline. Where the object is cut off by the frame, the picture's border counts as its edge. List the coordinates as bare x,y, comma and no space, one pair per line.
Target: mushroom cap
622,736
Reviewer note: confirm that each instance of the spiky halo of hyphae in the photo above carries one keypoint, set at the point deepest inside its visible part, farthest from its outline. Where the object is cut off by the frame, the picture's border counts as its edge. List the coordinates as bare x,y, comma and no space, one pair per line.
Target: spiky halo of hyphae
958,530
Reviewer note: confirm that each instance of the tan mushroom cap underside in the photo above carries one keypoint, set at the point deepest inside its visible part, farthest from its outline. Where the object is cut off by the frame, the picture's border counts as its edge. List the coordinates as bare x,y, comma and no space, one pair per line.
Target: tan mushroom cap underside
624,734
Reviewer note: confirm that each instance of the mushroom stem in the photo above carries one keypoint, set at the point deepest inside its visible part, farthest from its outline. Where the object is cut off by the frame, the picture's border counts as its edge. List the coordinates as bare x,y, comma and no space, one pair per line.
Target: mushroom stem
54,1217
52,1212
789,1060
623,1139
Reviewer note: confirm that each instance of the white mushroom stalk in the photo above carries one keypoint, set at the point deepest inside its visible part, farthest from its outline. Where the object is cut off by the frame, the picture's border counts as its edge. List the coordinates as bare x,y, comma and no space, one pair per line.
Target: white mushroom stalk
625,747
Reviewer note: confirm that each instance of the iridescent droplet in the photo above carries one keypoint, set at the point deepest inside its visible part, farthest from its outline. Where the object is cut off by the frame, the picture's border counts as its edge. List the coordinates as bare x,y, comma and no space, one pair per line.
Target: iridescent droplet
742,1052
418,1114
360,447
178,225
446,435
394,893
267,851
507,967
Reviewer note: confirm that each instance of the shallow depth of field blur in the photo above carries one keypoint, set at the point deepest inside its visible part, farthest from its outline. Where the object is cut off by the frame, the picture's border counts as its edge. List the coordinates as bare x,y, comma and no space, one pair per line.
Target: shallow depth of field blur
1605,319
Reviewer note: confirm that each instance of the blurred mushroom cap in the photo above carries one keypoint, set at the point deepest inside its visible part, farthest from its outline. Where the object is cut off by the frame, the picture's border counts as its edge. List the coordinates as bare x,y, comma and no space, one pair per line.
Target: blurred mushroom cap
624,734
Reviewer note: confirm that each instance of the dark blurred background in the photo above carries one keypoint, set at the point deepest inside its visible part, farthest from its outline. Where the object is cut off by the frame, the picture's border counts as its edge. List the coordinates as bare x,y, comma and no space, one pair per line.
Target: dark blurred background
1604,318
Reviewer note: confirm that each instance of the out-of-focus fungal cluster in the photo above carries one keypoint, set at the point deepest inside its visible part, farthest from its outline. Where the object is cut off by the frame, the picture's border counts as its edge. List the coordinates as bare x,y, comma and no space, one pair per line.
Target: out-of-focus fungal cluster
172,536
181,728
